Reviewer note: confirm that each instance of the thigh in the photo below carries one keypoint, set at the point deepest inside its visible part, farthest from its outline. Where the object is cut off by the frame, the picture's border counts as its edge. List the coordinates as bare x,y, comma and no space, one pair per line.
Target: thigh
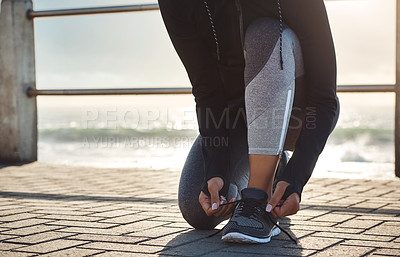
309,20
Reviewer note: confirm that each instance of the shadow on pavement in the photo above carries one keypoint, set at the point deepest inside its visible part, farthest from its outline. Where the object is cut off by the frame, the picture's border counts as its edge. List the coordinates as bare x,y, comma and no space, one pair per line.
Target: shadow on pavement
198,243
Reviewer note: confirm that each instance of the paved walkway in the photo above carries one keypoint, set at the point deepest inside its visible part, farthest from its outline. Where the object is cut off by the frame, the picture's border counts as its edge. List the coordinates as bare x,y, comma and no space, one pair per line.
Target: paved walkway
68,211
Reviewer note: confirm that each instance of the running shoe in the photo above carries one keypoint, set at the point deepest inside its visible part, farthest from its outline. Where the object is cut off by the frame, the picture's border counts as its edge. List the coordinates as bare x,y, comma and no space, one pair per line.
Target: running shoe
250,223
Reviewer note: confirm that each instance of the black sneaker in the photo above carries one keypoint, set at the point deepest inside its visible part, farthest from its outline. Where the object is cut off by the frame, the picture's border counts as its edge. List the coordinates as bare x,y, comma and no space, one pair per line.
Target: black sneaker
250,223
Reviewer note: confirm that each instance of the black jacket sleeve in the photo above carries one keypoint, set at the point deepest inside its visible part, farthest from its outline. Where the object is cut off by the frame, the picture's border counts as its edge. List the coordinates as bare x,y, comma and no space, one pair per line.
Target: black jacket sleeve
202,68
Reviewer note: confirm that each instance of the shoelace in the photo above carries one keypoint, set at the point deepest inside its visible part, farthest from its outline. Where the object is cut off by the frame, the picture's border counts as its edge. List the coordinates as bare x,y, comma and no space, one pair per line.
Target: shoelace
248,212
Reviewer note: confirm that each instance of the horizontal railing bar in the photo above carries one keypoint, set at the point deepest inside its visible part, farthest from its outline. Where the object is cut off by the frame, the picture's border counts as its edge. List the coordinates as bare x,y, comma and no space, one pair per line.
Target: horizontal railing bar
111,91
365,88
154,91
93,10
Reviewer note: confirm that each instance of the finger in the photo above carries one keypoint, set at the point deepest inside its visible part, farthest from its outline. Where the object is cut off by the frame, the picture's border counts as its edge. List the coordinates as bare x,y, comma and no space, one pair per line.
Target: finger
289,207
274,213
229,208
215,200
205,203
221,211
278,213
222,208
228,211
277,196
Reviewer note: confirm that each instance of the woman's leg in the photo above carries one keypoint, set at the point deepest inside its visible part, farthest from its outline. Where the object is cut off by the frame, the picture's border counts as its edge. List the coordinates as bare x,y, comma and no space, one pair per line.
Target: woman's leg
193,175
269,96
309,20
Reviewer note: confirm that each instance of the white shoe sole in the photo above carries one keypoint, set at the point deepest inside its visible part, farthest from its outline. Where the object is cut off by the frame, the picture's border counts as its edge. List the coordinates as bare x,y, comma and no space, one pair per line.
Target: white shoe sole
236,237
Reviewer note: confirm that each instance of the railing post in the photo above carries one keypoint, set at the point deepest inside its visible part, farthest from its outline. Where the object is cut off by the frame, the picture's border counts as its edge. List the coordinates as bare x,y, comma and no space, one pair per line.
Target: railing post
18,119
397,92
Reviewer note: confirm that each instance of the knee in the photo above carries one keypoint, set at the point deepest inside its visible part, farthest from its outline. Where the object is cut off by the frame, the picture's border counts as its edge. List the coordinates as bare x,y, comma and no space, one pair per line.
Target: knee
195,216
262,31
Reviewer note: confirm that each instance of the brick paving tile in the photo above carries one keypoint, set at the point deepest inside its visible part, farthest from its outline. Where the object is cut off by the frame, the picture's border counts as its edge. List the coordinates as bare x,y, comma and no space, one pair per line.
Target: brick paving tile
168,219
194,248
101,231
177,239
390,252
86,224
63,212
379,217
4,237
369,205
13,212
38,238
51,246
9,246
327,229
333,217
113,213
178,225
107,208
387,228
123,247
170,213
137,226
15,254
267,250
357,223
311,212
23,223
315,243
124,254
73,252
299,233
19,216
387,210
71,217
157,232
372,243
127,219
109,238
309,223
354,236
31,230
344,250
9,207
220,253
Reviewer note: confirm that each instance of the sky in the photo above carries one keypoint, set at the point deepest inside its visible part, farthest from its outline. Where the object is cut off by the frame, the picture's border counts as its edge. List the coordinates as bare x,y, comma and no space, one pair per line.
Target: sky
133,49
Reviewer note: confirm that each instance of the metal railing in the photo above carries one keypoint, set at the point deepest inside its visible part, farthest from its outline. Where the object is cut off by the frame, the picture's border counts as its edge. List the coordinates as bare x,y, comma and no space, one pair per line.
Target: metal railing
32,92
181,90
95,10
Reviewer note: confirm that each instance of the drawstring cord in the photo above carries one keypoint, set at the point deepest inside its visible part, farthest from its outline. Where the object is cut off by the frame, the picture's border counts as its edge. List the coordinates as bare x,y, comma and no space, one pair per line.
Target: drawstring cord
216,37
280,31
213,29
269,216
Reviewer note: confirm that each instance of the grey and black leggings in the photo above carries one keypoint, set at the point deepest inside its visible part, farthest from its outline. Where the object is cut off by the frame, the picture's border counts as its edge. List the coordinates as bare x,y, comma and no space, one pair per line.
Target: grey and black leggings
269,98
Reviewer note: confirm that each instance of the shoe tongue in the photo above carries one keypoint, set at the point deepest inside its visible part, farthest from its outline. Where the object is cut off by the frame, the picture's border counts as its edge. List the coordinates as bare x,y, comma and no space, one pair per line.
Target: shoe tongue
254,193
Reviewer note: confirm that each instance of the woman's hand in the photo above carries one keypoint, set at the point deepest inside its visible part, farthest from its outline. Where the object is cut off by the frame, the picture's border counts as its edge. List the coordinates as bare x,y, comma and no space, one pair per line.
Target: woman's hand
211,206
285,208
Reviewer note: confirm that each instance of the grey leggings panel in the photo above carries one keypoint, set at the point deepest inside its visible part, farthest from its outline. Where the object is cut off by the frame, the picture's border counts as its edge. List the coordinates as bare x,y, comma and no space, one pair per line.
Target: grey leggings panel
269,99
270,91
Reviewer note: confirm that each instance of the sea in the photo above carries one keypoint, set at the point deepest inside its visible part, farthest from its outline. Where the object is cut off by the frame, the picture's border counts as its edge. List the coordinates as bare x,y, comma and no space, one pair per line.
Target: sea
157,132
